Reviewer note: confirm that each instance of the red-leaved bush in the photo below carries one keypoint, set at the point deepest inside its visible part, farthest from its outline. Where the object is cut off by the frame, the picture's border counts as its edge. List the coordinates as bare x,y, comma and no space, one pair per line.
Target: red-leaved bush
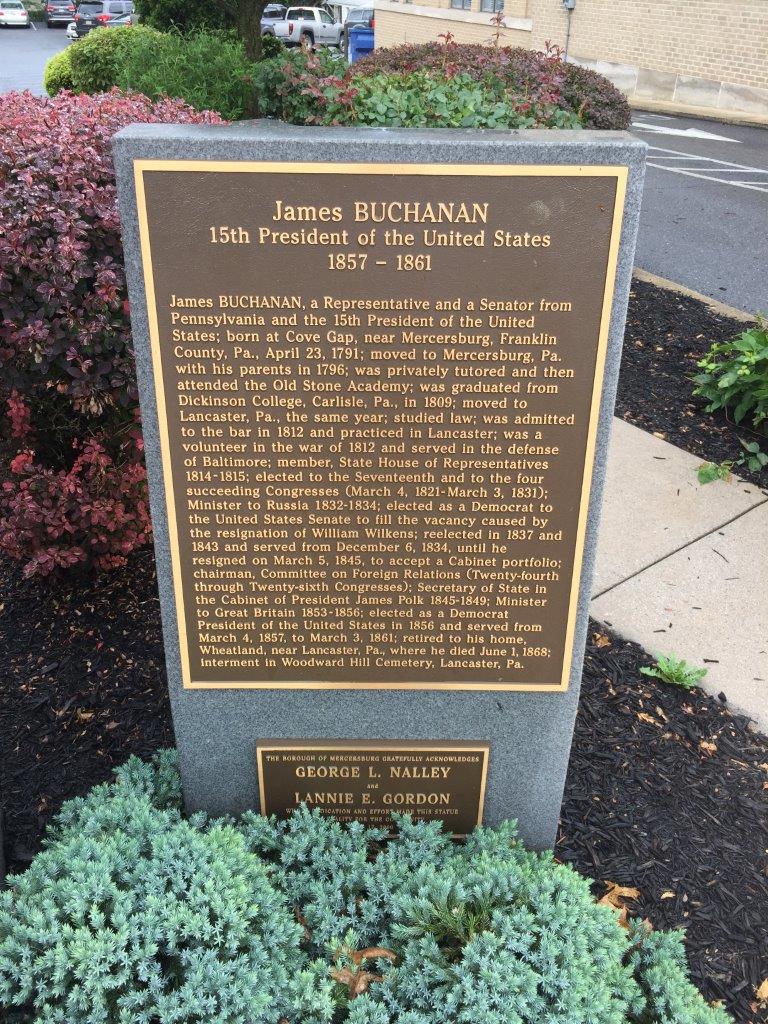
73,479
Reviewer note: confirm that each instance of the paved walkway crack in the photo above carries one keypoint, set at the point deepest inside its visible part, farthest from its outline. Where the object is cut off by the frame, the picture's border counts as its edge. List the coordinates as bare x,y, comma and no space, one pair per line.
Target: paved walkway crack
682,547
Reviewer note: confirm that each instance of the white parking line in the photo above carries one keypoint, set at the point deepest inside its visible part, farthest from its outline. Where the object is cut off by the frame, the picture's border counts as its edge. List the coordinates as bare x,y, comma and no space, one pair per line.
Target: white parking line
759,186
691,156
705,173
683,156
714,170
688,133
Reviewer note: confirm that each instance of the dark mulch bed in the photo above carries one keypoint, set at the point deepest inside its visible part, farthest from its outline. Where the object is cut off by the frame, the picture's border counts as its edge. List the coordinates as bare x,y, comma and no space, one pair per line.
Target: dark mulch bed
647,803
666,335
666,793
82,687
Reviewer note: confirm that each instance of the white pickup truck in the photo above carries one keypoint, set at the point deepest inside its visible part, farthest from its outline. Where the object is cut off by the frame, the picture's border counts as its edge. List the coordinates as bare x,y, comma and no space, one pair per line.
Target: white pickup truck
306,26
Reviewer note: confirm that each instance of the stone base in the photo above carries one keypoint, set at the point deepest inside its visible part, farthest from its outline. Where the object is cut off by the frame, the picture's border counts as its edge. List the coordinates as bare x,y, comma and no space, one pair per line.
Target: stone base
217,729
683,93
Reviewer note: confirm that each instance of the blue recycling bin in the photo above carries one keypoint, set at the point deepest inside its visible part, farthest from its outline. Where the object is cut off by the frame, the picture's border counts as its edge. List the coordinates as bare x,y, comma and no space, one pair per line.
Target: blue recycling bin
360,42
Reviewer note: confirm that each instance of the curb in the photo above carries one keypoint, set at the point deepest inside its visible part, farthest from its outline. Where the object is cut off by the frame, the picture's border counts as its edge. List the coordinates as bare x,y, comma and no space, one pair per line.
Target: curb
673,286
738,117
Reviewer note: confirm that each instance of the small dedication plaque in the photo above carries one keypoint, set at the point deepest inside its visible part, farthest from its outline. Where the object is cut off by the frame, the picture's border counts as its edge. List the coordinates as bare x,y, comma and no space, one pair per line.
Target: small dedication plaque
378,388
368,781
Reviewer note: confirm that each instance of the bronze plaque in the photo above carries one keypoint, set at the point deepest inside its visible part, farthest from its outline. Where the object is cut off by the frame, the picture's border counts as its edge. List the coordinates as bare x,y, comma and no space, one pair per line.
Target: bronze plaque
378,390
369,780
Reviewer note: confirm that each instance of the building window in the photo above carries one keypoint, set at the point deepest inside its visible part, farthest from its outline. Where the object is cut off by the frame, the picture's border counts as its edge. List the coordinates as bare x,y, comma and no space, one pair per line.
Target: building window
492,6
462,5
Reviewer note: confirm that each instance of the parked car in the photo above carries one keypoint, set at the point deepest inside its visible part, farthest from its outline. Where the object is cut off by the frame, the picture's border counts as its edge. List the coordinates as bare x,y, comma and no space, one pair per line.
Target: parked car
13,13
270,14
339,9
92,14
307,26
59,12
116,21
356,17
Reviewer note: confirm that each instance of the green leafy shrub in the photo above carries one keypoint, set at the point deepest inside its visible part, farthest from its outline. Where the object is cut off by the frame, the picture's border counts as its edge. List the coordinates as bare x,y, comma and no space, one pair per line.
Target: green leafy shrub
208,70
271,46
306,88
97,58
134,915
734,375
531,78
753,457
279,86
58,72
184,15
205,68
422,99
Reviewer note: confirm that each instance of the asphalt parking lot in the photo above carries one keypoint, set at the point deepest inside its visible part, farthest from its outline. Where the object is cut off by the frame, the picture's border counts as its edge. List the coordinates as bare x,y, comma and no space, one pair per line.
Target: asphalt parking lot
704,221
23,55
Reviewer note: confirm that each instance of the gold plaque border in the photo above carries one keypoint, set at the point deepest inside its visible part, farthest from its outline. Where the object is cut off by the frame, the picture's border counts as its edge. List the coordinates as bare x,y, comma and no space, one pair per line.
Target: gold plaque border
432,170
294,746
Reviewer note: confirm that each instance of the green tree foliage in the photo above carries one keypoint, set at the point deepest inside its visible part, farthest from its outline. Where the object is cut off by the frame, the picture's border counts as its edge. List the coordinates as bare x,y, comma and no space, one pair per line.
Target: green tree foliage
184,15
135,915
192,15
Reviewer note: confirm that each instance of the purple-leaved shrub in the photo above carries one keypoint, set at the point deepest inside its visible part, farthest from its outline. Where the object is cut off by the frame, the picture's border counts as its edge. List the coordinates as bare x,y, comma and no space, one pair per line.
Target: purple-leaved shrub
72,479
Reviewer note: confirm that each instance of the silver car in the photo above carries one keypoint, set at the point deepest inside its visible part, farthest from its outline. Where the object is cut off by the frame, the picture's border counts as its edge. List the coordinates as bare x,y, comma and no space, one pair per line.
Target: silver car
308,26
13,12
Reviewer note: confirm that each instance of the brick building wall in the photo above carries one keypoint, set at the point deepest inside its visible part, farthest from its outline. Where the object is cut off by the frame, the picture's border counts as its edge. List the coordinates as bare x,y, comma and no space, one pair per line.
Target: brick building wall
512,8
406,22
714,40
705,54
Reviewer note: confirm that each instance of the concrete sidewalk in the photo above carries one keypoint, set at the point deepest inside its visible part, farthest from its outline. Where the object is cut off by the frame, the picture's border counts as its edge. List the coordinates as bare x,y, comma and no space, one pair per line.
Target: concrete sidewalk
683,567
